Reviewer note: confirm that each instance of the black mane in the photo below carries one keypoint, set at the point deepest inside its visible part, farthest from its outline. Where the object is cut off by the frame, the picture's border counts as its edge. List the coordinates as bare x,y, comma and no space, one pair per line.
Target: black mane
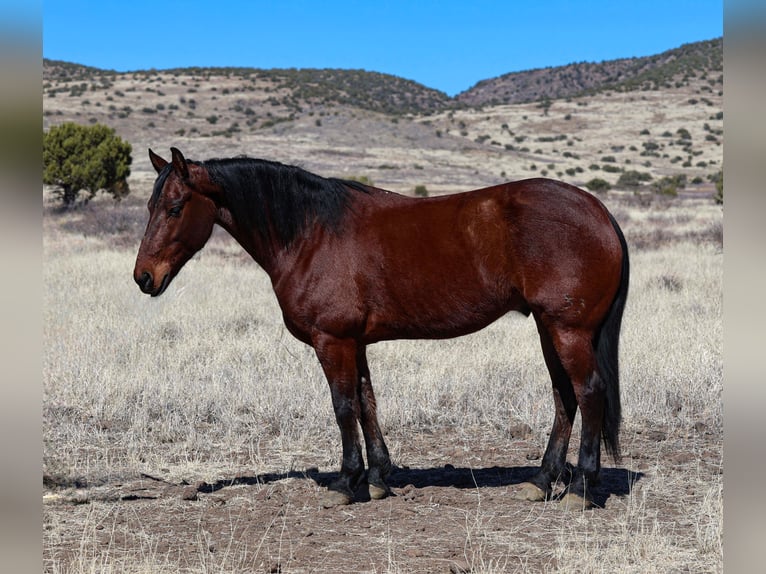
269,196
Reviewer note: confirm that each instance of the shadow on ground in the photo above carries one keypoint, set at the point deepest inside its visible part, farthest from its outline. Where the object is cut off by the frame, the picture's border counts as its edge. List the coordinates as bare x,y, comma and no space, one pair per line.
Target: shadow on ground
614,481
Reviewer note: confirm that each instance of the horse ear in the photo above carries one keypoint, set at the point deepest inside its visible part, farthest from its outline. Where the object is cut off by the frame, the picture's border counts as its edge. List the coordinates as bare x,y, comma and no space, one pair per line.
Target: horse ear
179,163
157,161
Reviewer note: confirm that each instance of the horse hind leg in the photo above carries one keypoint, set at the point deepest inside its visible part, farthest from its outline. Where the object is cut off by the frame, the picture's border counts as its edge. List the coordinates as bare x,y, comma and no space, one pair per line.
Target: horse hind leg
553,465
577,356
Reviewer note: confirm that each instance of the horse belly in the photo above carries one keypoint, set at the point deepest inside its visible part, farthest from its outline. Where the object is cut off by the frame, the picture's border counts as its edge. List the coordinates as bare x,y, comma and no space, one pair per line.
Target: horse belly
439,276
438,314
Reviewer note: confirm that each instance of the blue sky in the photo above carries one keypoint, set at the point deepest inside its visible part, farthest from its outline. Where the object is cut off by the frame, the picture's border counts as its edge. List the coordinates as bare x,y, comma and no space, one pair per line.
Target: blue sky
447,45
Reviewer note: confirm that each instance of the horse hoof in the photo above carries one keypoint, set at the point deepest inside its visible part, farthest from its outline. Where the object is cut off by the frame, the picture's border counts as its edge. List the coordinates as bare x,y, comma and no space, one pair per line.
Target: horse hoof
334,498
378,492
529,491
575,502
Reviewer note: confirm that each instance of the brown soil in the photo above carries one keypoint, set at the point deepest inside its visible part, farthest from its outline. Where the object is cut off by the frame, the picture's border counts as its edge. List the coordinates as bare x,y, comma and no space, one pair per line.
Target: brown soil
452,511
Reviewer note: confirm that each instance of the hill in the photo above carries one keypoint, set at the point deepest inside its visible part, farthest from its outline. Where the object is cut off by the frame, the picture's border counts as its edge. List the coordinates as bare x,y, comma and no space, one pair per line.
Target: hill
671,69
292,88
657,117
393,95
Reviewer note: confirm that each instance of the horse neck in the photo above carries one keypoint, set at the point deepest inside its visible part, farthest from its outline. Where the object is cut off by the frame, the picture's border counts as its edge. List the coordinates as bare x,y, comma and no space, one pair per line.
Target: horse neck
273,243
262,251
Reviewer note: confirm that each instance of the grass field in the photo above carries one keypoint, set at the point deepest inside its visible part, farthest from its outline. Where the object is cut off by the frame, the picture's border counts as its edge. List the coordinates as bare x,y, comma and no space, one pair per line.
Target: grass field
205,381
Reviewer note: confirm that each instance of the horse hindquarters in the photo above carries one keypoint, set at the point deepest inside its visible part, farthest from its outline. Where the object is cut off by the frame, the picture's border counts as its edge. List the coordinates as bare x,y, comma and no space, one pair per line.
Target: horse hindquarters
583,365
598,393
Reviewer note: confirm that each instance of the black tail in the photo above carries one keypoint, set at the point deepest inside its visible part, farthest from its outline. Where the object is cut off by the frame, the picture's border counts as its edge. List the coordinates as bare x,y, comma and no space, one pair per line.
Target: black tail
607,355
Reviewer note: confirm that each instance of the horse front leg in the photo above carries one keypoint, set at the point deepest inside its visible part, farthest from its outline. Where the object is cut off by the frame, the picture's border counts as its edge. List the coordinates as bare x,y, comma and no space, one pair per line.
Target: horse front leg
338,358
378,459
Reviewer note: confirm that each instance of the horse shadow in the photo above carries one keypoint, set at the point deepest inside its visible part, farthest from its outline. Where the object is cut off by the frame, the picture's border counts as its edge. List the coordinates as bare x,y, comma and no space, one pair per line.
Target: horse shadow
614,481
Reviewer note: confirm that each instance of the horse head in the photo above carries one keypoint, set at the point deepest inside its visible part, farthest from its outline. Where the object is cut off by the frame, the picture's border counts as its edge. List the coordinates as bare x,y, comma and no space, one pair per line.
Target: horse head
182,211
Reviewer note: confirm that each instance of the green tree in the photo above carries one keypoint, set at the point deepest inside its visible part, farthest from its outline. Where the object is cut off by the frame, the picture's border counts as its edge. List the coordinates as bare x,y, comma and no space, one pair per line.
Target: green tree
89,158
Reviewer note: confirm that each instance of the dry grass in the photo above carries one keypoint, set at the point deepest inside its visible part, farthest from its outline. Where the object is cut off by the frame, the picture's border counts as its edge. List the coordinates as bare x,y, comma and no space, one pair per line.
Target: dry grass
205,381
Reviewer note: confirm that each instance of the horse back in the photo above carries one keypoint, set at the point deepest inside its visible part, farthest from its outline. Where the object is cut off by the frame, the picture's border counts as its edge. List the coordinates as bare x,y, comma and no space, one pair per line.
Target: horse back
450,265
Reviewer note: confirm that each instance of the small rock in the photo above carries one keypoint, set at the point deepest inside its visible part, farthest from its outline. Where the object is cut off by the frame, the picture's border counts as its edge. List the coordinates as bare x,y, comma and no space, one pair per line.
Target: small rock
656,435
520,430
190,493
413,553
683,457
79,496
533,454
700,427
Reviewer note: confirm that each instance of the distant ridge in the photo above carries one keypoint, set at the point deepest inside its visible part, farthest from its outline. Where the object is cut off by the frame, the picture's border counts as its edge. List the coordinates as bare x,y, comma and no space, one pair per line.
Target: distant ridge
393,95
664,70
358,88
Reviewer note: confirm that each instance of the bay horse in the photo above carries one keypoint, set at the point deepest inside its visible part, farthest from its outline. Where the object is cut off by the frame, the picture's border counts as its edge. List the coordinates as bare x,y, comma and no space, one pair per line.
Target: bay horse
352,265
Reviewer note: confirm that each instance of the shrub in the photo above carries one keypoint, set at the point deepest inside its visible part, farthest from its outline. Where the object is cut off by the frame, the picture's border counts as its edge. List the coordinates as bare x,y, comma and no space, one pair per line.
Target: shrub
89,158
670,185
633,178
597,184
363,179
421,191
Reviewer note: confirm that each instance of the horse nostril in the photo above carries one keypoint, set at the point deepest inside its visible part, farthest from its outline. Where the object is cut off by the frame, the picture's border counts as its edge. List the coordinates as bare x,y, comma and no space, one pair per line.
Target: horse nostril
145,282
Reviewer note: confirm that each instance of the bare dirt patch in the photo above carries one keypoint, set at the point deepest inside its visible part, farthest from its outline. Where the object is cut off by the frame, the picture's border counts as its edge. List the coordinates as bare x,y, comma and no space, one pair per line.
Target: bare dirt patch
452,511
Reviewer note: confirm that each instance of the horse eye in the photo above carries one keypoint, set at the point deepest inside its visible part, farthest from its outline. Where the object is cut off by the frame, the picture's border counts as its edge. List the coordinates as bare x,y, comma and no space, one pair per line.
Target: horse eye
175,211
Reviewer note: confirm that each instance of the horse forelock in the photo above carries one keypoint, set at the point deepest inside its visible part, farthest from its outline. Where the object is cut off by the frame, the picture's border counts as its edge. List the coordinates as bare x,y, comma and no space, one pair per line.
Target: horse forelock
159,183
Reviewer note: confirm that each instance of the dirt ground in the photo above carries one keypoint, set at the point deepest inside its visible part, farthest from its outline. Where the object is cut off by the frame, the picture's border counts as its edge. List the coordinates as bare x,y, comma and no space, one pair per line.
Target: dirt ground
452,511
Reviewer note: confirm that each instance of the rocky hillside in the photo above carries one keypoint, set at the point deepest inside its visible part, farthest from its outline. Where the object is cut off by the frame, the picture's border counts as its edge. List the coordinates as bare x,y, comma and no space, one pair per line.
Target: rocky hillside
672,69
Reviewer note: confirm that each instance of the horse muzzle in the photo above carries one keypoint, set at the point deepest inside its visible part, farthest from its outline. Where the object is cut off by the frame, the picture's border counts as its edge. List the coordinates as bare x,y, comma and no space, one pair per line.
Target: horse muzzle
146,283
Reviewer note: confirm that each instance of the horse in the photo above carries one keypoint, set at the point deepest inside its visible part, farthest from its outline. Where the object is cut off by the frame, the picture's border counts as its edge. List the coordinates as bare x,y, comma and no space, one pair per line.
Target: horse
351,264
